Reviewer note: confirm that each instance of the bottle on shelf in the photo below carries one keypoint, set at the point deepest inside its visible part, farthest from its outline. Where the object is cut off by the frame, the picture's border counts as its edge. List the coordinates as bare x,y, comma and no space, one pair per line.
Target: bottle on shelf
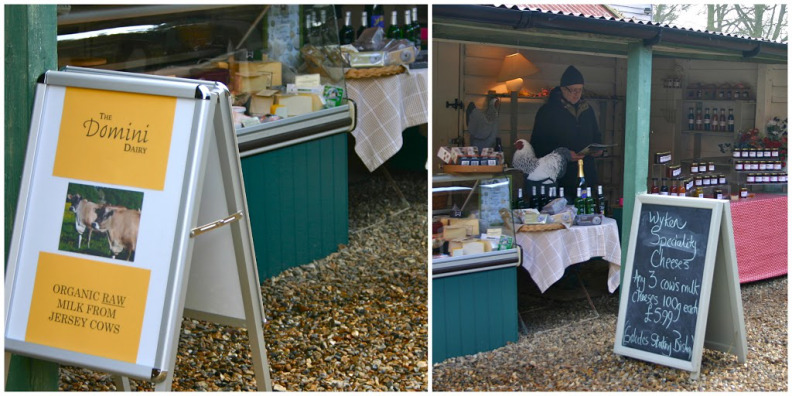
722,127
376,15
681,191
589,201
664,187
602,202
730,120
699,120
715,124
363,23
674,190
691,119
407,28
416,29
324,29
346,35
560,192
707,119
551,195
700,192
654,189
580,203
394,31
498,145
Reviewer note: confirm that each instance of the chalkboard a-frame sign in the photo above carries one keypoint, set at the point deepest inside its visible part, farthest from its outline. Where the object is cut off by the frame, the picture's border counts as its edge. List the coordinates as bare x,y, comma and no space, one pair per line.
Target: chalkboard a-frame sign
681,288
147,159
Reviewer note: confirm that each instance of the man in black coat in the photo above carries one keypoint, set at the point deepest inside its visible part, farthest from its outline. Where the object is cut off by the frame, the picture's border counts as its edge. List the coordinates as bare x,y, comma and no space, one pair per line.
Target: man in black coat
568,121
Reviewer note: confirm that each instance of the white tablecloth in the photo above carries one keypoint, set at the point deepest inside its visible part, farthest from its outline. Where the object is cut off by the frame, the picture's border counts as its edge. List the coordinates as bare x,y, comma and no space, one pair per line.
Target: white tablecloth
547,254
386,106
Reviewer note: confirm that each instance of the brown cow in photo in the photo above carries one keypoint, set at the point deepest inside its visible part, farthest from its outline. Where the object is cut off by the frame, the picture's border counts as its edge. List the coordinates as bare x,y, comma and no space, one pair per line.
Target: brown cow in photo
85,214
121,226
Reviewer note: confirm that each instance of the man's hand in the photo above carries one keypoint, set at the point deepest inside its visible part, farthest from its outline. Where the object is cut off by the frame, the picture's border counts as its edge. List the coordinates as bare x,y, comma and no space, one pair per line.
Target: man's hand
576,156
596,153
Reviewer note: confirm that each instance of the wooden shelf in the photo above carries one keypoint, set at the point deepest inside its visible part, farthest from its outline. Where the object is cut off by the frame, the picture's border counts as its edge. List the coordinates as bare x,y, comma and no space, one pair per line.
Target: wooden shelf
708,133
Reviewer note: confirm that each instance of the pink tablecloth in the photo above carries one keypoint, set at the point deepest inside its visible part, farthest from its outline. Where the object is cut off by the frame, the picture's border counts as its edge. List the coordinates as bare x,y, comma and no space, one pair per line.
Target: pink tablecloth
546,254
760,236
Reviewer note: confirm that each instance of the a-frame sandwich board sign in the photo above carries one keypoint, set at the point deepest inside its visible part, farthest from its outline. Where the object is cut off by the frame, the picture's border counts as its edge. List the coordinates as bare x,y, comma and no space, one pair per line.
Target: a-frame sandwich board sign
681,288
157,157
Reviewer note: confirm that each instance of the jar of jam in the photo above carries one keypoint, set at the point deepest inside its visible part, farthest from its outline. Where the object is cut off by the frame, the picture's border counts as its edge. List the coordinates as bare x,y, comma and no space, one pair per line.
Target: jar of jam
743,193
738,165
765,178
702,167
751,178
759,153
777,165
699,192
722,179
705,180
752,153
754,165
745,153
718,193
782,177
773,178
767,153
711,166
714,179
694,167
762,165
698,181
736,153
774,153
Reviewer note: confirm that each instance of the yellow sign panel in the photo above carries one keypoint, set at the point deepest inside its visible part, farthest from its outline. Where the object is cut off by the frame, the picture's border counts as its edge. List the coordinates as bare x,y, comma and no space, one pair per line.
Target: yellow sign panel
115,137
88,306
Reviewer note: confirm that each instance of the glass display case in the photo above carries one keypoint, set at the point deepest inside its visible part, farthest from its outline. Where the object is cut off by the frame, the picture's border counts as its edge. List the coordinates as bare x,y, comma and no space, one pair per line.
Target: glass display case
474,264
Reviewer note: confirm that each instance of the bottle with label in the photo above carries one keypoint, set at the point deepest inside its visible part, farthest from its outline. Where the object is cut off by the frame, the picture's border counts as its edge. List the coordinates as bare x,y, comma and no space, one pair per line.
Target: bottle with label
551,195
674,190
376,14
589,201
560,192
407,28
581,176
681,191
700,192
707,119
654,189
714,123
722,126
664,187
363,23
580,203
691,119
699,120
416,29
730,120
346,35
602,202
394,31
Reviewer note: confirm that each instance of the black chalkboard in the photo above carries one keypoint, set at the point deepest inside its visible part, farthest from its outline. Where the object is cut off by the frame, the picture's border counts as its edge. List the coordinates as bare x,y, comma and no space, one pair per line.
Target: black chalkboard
666,280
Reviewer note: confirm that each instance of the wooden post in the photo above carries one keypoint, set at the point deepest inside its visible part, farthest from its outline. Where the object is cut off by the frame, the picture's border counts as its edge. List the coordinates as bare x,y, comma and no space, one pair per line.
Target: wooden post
636,139
30,50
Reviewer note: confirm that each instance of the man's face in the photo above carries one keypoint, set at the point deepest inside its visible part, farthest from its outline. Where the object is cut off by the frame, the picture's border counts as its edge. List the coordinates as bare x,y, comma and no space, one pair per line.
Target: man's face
572,92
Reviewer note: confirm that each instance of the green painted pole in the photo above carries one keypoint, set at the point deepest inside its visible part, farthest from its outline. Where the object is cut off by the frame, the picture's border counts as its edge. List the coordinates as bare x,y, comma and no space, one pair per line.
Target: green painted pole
30,50
636,139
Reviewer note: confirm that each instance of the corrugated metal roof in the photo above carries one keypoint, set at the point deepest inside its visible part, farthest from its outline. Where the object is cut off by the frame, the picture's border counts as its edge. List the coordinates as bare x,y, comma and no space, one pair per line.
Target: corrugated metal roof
582,10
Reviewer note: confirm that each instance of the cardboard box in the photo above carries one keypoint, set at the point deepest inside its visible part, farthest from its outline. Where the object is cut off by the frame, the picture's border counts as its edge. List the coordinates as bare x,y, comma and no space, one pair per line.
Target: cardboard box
261,102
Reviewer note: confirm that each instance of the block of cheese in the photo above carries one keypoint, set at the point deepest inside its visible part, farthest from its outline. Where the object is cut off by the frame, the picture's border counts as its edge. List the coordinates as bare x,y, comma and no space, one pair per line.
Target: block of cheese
273,70
296,104
470,224
470,246
454,232
261,102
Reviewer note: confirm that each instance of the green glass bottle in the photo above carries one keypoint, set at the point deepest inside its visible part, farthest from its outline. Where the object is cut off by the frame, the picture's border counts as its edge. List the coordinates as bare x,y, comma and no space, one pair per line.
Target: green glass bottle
394,31
376,14
347,33
416,29
580,204
363,24
589,201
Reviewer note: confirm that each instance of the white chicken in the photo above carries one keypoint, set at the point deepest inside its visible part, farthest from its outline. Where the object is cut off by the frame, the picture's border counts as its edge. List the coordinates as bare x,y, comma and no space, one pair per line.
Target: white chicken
545,170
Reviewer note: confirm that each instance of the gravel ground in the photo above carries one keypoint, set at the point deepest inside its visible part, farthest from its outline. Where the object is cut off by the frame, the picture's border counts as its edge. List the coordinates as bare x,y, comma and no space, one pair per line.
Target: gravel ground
356,320
567,347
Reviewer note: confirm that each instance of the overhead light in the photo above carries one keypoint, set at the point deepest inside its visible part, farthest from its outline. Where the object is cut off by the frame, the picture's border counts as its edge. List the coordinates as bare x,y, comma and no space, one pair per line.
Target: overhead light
514,68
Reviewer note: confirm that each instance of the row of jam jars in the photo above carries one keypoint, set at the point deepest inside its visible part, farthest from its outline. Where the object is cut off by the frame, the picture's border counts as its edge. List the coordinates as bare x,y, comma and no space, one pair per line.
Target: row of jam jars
755,153
766,178
758,165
